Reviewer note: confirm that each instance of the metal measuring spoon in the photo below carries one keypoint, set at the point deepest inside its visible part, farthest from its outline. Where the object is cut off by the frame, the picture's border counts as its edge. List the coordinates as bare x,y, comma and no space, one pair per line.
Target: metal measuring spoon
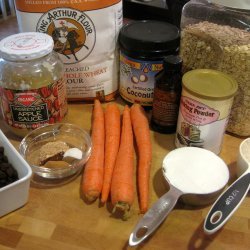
180,168
231,198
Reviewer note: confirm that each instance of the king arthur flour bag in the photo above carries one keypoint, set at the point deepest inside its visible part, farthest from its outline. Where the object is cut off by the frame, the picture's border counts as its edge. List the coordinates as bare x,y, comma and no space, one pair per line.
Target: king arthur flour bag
85,36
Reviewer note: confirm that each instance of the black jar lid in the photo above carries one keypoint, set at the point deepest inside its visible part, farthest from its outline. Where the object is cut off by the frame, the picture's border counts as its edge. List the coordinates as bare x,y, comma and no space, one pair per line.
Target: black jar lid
149,37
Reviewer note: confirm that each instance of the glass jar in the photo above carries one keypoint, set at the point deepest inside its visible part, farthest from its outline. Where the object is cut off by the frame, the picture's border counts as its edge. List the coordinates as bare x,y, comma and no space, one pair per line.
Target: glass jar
143,45
167,94
33,90
215,34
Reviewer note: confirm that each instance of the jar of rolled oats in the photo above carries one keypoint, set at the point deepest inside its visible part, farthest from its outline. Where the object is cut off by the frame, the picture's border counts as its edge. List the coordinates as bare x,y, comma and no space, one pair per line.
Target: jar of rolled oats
32,86
215,34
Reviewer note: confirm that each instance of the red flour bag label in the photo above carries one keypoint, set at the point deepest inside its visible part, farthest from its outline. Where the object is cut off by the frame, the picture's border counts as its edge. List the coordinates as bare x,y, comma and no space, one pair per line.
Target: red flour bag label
85,34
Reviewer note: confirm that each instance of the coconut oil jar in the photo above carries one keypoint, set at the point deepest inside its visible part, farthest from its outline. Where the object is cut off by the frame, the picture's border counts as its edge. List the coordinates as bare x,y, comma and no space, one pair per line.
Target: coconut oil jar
215,34
143,45
33,90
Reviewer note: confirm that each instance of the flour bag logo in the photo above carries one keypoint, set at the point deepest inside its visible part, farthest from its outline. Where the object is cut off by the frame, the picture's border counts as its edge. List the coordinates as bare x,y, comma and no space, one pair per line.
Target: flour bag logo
73,33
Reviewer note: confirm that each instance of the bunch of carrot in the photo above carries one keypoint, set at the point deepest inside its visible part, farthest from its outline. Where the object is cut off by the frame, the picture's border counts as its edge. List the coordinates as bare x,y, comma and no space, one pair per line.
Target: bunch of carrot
110,168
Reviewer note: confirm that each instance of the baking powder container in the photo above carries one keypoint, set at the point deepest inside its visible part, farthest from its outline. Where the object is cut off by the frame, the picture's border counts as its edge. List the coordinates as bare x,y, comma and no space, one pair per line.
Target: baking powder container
206,101
143,44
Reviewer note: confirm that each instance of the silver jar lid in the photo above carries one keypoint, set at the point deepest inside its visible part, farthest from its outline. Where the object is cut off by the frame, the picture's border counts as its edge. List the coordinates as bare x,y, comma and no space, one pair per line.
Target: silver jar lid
26,46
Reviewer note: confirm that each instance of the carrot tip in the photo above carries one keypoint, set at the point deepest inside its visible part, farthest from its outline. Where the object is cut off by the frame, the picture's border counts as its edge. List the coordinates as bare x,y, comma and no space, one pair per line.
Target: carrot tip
124,207
103,201
91,197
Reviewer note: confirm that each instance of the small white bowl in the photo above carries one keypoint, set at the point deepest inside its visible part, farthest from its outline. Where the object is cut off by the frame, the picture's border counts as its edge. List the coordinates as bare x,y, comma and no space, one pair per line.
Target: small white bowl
14,195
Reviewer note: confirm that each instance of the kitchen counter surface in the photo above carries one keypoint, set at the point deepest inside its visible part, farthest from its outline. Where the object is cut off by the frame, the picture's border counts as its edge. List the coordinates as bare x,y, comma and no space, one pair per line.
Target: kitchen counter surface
57,218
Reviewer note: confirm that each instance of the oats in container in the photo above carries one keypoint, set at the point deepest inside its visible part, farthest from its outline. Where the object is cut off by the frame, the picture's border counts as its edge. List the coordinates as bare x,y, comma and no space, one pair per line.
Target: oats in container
217,37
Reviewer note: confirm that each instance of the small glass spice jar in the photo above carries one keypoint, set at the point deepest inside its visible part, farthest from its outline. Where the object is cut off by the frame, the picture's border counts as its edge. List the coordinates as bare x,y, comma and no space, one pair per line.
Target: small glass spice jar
33,90
167,93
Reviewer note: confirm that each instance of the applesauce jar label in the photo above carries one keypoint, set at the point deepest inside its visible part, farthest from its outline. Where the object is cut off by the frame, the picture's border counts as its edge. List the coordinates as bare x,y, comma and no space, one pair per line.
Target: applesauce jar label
137,79
29,109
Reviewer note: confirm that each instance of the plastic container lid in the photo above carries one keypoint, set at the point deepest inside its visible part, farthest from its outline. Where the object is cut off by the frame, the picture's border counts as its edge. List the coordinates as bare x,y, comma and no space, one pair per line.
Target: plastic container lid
242,4
209,83
26,46
149,37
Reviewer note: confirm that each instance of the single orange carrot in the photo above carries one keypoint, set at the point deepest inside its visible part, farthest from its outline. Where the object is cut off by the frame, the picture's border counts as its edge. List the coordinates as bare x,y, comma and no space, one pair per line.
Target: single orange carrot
93,173
112,142
142,135
122,185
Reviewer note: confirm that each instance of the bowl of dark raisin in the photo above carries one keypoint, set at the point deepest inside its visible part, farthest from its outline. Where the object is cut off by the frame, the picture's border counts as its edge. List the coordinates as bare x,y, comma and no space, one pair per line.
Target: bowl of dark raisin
15,175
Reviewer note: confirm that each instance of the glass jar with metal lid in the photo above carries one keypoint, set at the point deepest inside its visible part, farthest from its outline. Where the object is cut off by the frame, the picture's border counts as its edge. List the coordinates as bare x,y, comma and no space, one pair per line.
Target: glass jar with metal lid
33,90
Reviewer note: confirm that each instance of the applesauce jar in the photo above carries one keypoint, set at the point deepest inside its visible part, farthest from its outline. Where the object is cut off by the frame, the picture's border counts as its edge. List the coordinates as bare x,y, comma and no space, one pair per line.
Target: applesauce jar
32,87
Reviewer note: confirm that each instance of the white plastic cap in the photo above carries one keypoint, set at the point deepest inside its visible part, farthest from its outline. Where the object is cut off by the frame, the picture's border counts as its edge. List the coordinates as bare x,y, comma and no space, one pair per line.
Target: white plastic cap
237,4
26,46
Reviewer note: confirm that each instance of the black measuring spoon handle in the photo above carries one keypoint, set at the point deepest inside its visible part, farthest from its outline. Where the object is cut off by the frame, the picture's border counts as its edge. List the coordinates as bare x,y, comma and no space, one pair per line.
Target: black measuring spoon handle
226,204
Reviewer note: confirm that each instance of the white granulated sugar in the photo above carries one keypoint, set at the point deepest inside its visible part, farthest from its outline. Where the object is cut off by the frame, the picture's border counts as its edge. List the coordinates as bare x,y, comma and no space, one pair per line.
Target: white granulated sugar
195,170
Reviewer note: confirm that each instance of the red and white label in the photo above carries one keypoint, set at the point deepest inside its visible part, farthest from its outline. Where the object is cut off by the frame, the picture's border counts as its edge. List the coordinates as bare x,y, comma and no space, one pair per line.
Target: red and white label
197,113
29,109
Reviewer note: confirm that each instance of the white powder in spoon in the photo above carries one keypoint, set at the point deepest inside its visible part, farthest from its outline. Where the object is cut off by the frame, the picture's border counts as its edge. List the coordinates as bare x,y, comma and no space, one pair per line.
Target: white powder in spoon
195,170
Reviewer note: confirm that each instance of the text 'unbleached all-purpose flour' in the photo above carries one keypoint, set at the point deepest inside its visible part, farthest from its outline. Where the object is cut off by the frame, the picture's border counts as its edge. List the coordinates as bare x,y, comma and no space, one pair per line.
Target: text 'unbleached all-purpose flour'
85,34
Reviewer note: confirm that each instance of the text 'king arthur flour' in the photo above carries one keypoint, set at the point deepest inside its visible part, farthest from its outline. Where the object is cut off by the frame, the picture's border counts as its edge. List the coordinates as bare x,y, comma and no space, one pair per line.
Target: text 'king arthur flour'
85,34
